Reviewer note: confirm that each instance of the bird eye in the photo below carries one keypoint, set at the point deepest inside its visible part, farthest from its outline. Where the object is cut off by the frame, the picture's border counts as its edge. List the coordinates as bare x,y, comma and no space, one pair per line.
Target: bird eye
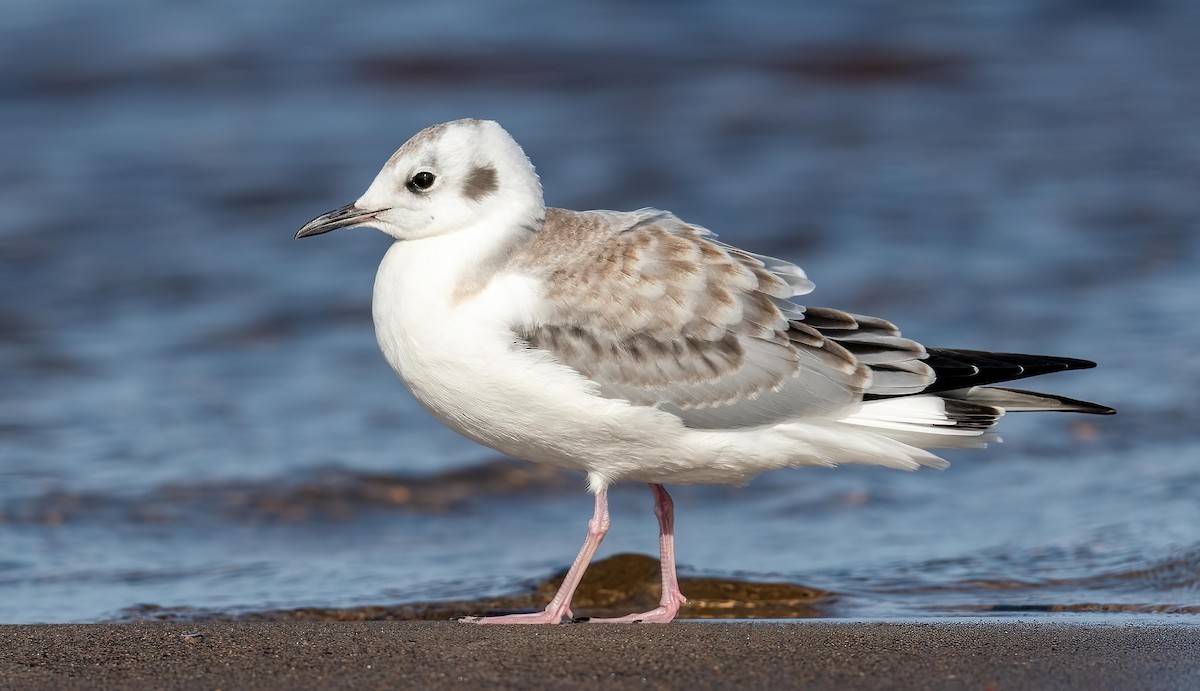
421,181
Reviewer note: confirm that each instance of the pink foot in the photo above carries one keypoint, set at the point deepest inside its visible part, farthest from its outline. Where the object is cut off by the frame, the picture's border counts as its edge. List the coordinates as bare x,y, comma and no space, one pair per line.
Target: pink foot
662,615
546,616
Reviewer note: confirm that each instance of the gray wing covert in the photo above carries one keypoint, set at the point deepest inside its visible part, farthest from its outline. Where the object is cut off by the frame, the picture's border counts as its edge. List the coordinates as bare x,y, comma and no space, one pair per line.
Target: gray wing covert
658,312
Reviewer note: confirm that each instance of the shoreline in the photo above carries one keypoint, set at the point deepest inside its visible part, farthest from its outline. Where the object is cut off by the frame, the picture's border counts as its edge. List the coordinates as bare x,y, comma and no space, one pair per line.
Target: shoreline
996,652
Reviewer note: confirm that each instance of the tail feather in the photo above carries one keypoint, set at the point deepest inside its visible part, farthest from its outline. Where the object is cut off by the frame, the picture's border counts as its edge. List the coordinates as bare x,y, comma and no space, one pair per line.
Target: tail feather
958,409
929,421
1020,401
961,418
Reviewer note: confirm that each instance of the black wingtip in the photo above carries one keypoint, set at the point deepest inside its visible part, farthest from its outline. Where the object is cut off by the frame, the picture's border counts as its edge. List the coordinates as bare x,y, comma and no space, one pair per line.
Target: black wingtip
1097,409
1074,405
957,368
1070,362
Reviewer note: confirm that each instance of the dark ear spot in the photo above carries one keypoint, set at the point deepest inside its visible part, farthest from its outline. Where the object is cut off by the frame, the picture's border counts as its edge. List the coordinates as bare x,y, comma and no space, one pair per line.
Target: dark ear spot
481,182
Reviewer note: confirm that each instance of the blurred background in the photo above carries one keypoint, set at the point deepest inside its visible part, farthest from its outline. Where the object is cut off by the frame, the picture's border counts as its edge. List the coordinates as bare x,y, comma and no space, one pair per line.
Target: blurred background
194,415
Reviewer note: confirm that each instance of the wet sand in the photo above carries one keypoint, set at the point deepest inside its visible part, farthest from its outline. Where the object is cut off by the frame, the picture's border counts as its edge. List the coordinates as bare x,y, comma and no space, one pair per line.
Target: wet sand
974,654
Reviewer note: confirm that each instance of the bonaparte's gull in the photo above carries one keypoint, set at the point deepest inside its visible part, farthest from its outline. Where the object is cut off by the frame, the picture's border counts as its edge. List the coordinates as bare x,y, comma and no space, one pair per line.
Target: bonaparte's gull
635,346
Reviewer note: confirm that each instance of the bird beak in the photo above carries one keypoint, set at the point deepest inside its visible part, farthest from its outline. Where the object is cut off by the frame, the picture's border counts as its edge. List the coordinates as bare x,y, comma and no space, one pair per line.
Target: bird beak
348,215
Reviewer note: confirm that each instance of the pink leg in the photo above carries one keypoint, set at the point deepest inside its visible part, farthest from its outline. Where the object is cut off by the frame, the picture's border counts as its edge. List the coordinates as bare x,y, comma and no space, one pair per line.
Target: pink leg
560,606
668,607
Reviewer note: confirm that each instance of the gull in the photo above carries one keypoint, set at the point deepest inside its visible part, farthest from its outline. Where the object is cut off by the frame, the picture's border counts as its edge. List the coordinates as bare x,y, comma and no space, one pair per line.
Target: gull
637,347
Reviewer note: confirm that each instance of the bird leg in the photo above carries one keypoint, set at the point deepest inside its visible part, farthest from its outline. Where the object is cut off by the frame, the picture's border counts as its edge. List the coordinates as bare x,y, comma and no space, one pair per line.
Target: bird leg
668,607
560,606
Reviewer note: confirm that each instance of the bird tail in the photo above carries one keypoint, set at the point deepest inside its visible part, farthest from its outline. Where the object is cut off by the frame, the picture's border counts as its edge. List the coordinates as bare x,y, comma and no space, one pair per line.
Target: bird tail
1020,401
959,418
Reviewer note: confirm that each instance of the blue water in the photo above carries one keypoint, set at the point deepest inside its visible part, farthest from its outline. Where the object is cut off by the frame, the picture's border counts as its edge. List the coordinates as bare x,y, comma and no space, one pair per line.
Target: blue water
193,413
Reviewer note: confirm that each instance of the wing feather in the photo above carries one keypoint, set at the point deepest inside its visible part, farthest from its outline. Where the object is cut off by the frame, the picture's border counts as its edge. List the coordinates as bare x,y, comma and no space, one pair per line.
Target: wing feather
659,312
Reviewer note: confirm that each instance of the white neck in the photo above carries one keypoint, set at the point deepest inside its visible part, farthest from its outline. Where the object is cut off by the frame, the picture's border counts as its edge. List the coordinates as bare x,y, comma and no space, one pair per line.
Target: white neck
442,279
443,310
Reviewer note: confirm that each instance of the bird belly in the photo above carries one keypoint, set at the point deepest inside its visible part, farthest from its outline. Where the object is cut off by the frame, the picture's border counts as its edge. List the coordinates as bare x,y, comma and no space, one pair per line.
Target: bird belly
465,365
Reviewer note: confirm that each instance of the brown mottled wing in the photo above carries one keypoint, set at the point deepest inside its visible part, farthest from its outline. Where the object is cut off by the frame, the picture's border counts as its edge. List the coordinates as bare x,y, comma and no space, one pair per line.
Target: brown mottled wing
658,312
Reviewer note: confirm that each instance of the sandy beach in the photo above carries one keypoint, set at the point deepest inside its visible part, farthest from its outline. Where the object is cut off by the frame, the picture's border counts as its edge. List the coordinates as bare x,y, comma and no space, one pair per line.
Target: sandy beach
973,654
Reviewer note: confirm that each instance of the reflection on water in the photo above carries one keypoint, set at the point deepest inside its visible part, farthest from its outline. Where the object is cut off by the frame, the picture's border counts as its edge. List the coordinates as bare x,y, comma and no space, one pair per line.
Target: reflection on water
194,418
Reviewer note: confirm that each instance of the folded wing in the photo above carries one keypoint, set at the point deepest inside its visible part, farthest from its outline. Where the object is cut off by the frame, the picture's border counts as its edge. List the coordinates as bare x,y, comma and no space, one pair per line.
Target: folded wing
659,312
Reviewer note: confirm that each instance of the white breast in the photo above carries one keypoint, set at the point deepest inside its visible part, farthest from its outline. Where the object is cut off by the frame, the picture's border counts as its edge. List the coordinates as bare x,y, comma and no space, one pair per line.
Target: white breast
461,360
